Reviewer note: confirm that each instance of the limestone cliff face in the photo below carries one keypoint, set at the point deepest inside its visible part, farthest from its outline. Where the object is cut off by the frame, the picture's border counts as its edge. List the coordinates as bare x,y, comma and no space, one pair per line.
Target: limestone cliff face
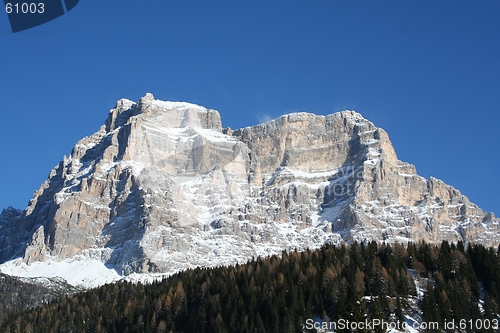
342,171
161,187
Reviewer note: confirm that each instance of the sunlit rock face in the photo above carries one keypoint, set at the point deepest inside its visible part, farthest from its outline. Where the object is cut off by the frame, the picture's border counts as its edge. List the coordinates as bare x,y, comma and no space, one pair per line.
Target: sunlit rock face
162,187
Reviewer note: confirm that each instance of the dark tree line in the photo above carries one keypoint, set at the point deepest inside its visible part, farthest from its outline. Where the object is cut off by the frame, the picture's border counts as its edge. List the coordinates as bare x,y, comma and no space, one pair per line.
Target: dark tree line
354,282
458,281
17,295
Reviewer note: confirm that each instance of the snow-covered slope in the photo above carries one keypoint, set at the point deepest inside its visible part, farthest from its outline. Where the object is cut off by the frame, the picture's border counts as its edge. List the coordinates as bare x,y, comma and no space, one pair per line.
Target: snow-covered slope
161,187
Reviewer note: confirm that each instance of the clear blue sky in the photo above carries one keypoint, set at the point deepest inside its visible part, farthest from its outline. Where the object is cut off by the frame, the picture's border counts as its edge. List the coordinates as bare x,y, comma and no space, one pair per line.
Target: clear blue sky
428,72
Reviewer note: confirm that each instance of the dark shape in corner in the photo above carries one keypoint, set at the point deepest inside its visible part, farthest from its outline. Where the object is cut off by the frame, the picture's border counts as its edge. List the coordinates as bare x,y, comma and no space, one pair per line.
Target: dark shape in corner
70,4
25,16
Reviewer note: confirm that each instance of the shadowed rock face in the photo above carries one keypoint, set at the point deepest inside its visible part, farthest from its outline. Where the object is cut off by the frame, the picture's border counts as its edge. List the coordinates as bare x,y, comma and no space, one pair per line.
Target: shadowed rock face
162,187
12,234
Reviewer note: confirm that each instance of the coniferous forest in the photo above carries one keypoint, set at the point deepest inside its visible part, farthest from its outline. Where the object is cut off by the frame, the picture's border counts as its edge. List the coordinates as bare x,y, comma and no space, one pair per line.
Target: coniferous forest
17,295
357,282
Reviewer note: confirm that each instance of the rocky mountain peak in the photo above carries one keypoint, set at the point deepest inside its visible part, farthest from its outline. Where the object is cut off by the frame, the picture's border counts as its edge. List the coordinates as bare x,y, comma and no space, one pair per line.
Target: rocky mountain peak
167,114
148,97
160,187
10,212
119,115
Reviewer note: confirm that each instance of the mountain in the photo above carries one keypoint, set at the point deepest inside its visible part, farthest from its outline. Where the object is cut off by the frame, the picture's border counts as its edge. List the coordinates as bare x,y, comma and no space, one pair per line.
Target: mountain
162,187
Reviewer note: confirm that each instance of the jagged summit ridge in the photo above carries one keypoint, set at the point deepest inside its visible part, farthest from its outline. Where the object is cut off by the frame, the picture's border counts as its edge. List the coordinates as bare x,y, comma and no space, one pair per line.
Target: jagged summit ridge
175,114
179,114
161,187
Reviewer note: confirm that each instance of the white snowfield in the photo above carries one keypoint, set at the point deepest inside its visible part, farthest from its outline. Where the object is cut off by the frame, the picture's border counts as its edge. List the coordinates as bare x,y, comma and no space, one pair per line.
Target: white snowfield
88,273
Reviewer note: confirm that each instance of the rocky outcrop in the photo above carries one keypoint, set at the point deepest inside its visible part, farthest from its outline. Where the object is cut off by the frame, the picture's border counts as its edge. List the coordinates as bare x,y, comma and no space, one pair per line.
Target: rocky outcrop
162,187
12,234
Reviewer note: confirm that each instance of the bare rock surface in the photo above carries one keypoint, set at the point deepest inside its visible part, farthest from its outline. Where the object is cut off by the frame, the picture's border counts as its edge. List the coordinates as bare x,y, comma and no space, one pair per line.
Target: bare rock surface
162,187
